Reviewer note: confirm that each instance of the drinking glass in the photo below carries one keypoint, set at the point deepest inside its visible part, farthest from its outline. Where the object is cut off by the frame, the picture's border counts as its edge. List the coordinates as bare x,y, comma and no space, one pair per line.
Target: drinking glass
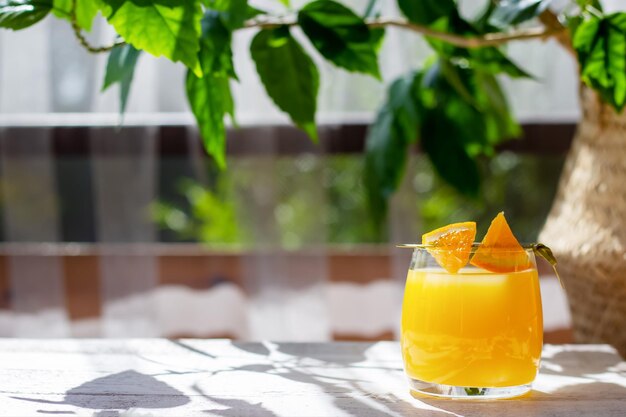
473,334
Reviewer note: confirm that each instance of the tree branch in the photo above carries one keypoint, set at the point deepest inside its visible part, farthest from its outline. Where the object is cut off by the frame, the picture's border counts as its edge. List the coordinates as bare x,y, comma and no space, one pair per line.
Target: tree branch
490,39
78,32
551,21
552,28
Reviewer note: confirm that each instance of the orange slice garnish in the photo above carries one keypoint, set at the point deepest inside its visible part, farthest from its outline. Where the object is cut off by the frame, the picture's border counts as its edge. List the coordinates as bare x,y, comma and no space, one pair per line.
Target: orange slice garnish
500,251
451,245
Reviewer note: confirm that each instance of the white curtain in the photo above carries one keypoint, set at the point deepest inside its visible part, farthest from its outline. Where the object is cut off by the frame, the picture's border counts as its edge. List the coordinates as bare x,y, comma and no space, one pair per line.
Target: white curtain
44,70
46,79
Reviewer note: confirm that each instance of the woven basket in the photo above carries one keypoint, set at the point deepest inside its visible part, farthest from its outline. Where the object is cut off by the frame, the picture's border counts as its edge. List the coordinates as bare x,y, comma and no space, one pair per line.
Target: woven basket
586,227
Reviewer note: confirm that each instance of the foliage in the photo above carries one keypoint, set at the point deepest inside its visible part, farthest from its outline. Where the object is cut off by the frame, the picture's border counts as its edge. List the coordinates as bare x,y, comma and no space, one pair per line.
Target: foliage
459,113
120,69
208,215
512,12
304,211
601,47
340,36
289,75
20,14
86,11
209,94
453,107
388,142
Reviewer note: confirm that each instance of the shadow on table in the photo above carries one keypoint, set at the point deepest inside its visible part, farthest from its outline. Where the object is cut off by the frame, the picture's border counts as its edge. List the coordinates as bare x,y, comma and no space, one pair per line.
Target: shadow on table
347,394
580,363
580,400
235,407
591,396
337,354
121,391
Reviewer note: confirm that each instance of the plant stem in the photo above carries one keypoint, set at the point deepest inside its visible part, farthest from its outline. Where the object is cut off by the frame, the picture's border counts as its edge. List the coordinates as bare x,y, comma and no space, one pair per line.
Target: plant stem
552,28
551,21
78,32
490,39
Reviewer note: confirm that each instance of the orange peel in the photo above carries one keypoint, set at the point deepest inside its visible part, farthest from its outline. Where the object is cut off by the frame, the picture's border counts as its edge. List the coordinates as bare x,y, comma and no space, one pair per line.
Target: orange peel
500,251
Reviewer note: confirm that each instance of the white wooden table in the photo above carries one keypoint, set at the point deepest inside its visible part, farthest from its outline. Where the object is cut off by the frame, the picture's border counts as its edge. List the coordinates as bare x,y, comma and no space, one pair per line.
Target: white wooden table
158,377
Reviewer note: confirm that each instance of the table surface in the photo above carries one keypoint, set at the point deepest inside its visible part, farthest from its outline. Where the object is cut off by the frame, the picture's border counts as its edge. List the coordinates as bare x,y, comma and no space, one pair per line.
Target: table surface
159,377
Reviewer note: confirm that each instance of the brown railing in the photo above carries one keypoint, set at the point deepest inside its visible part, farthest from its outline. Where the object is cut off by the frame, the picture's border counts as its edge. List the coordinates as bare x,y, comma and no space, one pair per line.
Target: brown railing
538,138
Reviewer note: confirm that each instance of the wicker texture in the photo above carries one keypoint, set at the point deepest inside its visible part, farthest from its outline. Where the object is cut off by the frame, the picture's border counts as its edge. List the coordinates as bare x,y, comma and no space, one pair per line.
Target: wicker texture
586,227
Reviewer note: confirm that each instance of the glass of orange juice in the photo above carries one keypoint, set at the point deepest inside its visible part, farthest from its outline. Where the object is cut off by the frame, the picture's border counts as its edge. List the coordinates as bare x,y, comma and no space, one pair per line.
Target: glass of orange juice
472,333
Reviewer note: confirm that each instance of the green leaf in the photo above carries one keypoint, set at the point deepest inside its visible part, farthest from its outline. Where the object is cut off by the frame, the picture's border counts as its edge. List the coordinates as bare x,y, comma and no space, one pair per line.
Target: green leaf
489,59
166,28
387,142
233,12
405,108
459,112
377,35
216,55
252,12
471,97
500,124
466,115
450,91
372,9
385,162
110,7
456,78
494,61
442,141
585,4
289,75
481,23
426,12
20,14
546,253
616,54
120,69
573,22
585,36
209,96
601,47
86,11
210,100
513,12
340,36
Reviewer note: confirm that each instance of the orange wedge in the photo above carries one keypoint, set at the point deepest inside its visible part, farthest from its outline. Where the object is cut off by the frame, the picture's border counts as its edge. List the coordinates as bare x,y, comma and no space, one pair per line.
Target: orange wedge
451,245
500,251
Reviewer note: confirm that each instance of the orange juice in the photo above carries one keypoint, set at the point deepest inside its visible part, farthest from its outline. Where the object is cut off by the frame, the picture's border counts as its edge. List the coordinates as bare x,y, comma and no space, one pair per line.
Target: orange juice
472,329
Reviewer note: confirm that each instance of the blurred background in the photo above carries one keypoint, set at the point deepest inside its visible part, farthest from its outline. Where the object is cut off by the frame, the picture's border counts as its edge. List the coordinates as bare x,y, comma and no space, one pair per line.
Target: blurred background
131,231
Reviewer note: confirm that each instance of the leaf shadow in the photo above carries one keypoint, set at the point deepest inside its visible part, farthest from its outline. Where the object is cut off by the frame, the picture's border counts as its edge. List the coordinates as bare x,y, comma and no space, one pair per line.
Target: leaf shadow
336,353
236,407
348,394
577,363
591,395
190,348
120,391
